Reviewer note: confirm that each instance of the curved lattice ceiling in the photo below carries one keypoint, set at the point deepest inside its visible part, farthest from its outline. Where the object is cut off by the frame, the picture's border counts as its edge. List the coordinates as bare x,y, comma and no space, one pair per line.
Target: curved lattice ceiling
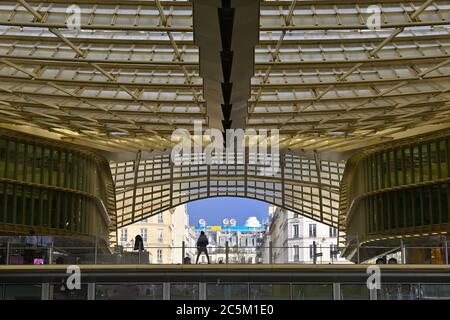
130,75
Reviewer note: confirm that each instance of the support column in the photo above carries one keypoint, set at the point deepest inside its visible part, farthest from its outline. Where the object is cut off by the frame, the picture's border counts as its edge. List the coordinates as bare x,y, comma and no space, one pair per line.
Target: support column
336,291
445,250
166,291
373,294
358,257
45,292
8,252
136,173
319,182
91,291
403,251
202,291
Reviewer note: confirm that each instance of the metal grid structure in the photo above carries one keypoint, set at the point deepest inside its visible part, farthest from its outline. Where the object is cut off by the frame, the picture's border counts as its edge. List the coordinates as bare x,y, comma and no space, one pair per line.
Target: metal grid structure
122,82
130,75
328,82
147,187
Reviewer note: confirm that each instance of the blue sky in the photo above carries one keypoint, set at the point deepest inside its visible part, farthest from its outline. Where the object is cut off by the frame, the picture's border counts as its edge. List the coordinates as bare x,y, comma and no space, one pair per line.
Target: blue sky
214,210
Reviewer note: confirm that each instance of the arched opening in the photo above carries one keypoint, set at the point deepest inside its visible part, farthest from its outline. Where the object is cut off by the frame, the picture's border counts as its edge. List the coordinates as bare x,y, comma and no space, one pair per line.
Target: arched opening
239,230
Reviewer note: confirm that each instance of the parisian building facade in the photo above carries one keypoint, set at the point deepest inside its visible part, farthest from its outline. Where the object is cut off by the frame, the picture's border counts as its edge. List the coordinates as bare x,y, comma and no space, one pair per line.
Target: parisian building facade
244,243
298,239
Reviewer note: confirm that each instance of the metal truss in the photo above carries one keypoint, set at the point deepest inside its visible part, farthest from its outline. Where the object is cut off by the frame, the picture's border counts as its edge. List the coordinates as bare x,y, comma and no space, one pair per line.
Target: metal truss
328,82
145,187
130,75
122,82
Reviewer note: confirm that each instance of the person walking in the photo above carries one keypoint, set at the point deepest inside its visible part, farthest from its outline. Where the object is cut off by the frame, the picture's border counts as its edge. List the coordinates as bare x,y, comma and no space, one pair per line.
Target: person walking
138,243
202,242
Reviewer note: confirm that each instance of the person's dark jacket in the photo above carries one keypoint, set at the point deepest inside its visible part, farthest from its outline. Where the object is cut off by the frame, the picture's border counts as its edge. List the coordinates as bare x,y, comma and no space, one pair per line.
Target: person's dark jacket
202,241
138,243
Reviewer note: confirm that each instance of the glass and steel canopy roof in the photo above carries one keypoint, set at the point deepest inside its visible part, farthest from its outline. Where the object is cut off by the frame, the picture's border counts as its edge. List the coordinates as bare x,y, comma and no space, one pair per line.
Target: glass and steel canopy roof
130,75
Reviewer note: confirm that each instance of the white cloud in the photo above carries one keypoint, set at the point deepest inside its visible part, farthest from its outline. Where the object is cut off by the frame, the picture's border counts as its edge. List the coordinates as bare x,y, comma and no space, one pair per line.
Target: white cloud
252,222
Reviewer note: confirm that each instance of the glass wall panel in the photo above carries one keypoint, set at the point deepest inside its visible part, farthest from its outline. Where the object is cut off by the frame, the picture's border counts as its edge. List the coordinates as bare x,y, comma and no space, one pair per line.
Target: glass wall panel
129,291
3,153
312,291
409,164
435,167
270,291
61,292
11,160
184,291
443,160
444,189
23,292
426,165
398,292
417,207
436,205
400,209
226,291
354,292
426,196
47,165
435,291
409,200
417,171
400,167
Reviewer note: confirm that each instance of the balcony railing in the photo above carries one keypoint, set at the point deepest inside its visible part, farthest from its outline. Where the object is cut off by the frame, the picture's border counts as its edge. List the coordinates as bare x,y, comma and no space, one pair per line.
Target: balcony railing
60,250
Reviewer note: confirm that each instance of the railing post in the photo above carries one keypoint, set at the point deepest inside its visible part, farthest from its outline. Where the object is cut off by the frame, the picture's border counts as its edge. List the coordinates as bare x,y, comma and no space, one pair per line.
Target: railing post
96,250
358,257
336,291
445,250
314,252
50,253
402,251
183,251
8,253
270,252
226,252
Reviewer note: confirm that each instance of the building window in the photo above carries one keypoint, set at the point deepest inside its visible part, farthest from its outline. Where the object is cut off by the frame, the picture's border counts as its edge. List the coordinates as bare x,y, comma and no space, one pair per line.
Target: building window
296,235
311,251
296,253
159,256
312,230
144,220
160,218
144,234
333,232
123,235
160,235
